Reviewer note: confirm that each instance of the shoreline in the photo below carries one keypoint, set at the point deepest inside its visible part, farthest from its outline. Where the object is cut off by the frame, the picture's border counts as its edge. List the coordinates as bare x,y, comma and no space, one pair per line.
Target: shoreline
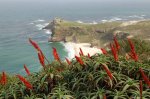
74,49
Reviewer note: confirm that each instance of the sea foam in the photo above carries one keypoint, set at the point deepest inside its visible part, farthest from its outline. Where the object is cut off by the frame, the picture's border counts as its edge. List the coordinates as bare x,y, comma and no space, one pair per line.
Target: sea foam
124,18
79,21
41,26
94,22
69,47
48,32
39,20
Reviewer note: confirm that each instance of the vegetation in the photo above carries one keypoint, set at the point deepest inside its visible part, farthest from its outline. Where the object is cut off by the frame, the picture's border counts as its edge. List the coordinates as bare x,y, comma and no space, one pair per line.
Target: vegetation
122,73
100,34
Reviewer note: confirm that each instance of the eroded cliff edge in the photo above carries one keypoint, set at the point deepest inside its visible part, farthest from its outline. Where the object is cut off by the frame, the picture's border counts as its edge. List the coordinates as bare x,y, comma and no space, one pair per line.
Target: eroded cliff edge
97,34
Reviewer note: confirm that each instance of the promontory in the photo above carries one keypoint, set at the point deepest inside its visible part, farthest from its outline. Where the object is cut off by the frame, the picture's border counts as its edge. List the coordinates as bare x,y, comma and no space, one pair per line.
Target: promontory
97,34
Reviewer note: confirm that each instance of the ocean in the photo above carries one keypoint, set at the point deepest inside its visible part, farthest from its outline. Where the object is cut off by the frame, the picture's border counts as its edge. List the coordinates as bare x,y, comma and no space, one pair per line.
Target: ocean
20,20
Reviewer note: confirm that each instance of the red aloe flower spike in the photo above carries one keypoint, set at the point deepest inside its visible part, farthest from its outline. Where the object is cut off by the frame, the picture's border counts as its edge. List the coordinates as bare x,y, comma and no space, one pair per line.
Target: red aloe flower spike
89,55
81,52
114,52
27,70
3,79
141,89
42,55
79,60
34,44
135,56
55,54
21,78
103,51
67,60
116,43
133,53
26,83
131,45
108,72
145,78
41,59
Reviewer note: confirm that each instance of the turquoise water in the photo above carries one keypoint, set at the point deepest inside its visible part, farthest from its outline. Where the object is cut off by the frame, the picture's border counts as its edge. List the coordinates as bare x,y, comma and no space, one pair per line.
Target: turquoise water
20,20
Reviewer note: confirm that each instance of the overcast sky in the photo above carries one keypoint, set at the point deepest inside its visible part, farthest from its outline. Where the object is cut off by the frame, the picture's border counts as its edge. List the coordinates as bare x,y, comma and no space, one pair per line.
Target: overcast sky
76,0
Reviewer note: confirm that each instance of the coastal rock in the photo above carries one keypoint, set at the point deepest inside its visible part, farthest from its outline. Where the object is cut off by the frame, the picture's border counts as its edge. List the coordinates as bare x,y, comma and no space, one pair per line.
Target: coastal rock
96,34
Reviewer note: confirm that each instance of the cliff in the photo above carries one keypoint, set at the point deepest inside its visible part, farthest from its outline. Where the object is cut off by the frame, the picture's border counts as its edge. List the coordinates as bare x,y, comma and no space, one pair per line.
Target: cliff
97,34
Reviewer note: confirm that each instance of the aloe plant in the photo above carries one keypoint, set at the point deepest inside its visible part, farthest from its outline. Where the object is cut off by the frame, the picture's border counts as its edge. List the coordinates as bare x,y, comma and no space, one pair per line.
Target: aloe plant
85,77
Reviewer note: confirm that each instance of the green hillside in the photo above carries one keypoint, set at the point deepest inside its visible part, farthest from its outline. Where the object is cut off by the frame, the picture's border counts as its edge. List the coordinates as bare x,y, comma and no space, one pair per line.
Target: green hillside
97,34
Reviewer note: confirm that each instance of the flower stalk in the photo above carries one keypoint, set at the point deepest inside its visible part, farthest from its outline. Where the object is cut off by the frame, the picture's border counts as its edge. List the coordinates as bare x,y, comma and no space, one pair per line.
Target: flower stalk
145,78
103,51
67,60
38,49
3,80
26,83
56,56
27,70
114,52
79,60
108,71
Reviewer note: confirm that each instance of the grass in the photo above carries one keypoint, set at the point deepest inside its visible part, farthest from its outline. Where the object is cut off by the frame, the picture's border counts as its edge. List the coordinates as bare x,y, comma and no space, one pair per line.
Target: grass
58,80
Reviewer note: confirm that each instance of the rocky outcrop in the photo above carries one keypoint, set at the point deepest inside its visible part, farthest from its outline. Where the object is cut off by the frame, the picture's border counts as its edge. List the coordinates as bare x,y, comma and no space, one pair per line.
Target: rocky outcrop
96,34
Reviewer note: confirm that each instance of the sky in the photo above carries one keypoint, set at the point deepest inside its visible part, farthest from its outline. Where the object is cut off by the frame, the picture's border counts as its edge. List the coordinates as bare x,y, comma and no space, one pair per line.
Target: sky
109,2
56,3
75,1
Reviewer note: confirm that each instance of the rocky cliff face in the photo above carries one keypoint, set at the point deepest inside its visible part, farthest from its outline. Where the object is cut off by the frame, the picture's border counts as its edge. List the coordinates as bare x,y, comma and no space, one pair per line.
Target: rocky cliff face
96,34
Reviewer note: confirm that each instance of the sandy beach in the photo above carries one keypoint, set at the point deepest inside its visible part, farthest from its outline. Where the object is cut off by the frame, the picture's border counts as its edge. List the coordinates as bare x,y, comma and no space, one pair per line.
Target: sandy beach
74,49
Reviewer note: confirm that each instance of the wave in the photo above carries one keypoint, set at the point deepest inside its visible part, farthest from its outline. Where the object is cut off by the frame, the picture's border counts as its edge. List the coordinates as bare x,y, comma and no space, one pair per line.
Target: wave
69,47
125,18
116,19
143,15
112,19
41,26
79,21
39,20
103,21
94,22
137,16
48,32
31,23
